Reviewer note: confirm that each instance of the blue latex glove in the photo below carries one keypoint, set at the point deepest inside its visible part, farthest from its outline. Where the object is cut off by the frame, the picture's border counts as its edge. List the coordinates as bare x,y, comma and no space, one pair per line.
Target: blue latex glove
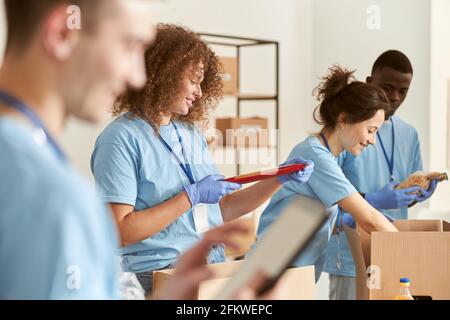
425,194
390,198
210,190
299,176
348,220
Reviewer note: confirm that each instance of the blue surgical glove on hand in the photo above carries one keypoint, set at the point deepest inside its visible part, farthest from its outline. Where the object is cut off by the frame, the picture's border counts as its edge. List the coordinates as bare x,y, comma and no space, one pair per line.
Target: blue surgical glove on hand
390,198
348,220
299,176
210,190
425,194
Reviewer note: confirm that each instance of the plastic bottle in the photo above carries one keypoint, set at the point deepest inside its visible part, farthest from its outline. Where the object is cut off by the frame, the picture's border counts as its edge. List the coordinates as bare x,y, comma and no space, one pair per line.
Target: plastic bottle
404,290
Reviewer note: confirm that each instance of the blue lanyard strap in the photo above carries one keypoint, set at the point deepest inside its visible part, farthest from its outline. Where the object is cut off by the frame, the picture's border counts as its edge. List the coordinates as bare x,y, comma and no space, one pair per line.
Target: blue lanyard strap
185,167
18,105
327,145
338,222
390,162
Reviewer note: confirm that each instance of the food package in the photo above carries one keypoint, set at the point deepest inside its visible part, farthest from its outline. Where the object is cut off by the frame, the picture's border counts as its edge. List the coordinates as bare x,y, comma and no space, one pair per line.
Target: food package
422,179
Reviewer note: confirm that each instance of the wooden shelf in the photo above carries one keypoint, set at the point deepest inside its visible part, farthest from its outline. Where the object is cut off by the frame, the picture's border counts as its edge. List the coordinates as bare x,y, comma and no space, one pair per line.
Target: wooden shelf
238,43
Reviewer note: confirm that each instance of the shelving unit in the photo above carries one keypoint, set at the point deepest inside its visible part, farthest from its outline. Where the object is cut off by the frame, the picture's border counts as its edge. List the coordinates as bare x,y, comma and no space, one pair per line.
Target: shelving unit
240,44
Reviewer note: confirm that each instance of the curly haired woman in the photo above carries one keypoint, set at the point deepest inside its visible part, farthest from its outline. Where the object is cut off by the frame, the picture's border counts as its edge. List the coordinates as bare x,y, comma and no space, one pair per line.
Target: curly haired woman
152,165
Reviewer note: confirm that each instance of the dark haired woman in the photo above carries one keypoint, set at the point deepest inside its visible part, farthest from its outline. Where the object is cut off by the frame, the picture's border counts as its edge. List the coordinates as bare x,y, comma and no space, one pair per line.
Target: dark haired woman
152,164
350,112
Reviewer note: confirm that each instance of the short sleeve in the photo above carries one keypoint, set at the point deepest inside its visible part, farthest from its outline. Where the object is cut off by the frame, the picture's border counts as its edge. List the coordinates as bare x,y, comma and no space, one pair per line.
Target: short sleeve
115,169
327,182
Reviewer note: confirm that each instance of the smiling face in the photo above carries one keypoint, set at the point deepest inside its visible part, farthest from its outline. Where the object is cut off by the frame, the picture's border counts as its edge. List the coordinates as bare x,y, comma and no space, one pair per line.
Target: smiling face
394,83
190,89
354,138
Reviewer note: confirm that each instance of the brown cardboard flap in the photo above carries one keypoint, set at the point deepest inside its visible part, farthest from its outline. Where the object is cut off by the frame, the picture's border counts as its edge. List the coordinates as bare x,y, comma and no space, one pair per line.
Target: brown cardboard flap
209,288
160,280
354,243
220,270
360,243
365,244
297,284
424,257
300,283
446,226
419,225
402,225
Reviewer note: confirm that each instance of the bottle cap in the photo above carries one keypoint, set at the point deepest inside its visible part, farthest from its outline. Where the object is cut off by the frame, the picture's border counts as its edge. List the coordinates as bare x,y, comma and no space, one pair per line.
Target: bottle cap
405,281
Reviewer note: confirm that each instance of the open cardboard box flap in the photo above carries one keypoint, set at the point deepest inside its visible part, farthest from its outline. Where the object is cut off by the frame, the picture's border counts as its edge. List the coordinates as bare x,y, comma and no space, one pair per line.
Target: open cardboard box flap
400,253
298,283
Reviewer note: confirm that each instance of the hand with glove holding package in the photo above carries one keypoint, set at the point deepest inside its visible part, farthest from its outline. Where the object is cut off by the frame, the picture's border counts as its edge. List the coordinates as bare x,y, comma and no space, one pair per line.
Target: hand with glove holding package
427,182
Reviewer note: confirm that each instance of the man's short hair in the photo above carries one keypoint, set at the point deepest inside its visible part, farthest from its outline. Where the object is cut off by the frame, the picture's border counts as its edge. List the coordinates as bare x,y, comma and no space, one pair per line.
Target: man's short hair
395,60
24,17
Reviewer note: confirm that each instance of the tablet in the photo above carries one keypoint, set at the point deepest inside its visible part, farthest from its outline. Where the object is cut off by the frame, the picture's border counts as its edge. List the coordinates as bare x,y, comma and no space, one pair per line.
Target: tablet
267,174
282,243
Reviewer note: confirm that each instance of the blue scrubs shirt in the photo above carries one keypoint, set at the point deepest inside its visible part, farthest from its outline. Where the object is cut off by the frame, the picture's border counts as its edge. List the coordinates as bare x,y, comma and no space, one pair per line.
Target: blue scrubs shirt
57,241
327,184
369,172
131,166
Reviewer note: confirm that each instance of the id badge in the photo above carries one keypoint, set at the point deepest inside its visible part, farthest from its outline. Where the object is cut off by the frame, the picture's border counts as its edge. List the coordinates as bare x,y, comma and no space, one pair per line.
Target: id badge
200,214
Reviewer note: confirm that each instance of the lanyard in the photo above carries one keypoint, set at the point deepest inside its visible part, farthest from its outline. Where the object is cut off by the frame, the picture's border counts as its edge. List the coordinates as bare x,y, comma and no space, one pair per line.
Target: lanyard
390,162
186,168
338,222
327,145
18,105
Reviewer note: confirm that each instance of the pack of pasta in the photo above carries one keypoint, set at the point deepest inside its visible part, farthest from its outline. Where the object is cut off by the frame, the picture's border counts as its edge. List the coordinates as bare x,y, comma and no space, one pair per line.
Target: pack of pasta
422,179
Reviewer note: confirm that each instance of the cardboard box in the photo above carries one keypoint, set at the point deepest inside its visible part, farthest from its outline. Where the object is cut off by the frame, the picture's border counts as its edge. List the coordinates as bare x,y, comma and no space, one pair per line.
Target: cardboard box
420,251
230,75
299,282
243,132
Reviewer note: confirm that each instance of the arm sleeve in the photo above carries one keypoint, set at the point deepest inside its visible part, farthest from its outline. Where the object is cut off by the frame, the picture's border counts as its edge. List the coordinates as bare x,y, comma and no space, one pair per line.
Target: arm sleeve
115,169
327,182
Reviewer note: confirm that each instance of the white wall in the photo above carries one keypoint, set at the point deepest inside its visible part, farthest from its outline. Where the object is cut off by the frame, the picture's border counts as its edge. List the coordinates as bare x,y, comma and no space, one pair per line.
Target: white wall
439,121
